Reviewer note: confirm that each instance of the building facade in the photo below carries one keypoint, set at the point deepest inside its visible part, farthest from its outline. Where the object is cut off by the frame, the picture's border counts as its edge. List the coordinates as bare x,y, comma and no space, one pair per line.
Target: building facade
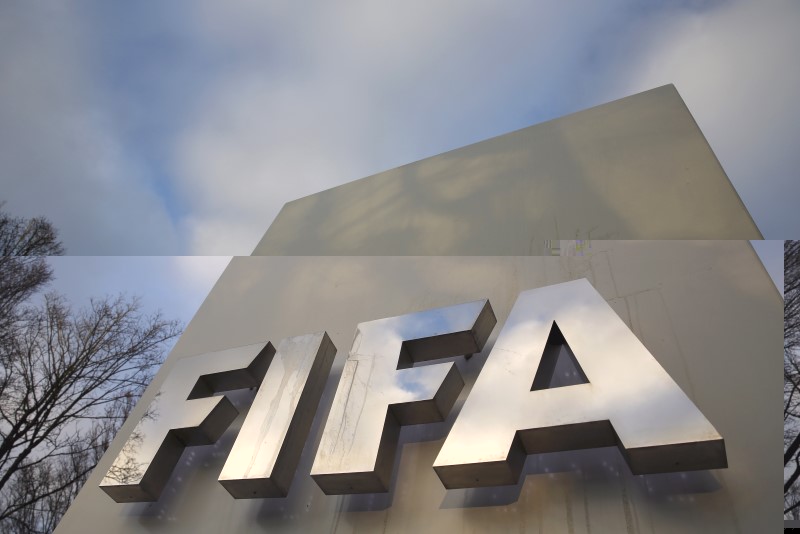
628,197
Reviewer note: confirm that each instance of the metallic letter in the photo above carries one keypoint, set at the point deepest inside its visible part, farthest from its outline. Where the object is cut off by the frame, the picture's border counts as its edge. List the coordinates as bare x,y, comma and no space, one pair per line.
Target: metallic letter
629,400
183,414
264,458
380,390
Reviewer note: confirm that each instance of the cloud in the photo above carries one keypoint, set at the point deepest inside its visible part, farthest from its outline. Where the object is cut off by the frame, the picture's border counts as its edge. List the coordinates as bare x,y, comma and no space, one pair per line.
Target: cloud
61,155
175,285
357,89
196,275
771,255
184,127
735,67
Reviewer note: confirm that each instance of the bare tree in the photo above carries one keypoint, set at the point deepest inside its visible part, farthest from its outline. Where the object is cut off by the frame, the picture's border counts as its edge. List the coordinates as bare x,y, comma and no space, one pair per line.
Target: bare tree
27,237
68,379
24,244
791,379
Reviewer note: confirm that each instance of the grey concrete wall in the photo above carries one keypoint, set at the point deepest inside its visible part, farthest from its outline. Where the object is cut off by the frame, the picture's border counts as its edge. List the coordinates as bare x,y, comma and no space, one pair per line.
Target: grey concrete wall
706,310
636,168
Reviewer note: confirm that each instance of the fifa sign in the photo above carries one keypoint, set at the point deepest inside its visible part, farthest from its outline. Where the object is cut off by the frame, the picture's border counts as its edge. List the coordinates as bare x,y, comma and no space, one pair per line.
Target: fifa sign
622,396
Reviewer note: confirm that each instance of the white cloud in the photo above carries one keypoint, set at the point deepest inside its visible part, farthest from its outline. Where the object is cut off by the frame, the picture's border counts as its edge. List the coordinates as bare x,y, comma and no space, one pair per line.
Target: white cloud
736,68
340,92
175,285
185,128
196,275
60,154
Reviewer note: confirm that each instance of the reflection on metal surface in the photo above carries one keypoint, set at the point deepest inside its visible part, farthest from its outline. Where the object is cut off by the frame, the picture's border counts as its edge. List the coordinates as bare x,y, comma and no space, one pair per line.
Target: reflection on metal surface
263,460
183,414
629,399
380,390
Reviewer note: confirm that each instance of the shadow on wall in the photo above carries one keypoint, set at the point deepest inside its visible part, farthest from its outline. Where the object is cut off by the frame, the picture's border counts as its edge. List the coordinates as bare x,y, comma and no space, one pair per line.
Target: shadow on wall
478,200
637,168
595,469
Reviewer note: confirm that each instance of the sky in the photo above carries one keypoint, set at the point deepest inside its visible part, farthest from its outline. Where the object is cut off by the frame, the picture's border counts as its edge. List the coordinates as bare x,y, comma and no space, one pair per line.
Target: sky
173,285
180,128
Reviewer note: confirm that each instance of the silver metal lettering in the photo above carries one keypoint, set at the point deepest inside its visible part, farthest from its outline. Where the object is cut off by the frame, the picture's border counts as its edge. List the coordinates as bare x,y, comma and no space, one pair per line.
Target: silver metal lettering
183,413
629,400
380,390
264,457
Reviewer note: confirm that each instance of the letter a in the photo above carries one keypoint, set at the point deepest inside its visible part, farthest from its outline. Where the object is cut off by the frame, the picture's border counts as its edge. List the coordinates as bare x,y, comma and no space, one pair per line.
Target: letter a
628,399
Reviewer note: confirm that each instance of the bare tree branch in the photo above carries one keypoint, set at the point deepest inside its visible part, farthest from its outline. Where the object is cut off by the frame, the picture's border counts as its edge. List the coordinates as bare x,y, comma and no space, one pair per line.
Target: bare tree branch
28,237
791,375
68,378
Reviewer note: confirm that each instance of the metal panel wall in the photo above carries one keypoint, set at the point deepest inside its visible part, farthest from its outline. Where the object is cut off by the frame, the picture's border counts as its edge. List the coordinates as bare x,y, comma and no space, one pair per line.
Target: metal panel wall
706,310
636,168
